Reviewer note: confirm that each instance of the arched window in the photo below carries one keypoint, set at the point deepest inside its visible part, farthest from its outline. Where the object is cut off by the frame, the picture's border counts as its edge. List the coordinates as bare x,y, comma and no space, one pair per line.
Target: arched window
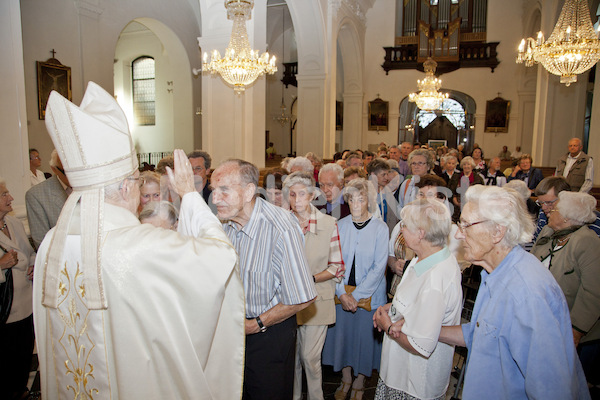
451,109
144,90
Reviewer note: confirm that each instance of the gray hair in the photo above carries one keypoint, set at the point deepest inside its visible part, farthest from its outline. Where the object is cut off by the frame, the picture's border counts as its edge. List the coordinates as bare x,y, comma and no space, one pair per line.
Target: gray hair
303,163
577,206
447,157
201,154
313,157
54,159
161,209
467,159
364,187
393,163
298,177
285,163
520,187
247,171
332,167
421,152
504,207
149,177
431,216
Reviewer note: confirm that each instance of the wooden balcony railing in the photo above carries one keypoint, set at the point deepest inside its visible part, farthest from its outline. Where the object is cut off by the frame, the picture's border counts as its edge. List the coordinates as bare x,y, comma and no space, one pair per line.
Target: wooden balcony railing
471,55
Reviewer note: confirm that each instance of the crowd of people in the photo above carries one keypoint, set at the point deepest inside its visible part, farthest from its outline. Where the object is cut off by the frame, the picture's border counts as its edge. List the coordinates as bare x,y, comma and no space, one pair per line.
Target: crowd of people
182,283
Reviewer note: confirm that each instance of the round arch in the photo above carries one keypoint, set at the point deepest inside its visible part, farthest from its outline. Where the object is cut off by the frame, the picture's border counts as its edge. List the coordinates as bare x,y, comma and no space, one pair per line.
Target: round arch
174,127
409,115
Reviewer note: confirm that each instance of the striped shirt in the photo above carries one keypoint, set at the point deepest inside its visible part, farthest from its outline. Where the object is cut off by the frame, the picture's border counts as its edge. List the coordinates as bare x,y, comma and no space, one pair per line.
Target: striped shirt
272,262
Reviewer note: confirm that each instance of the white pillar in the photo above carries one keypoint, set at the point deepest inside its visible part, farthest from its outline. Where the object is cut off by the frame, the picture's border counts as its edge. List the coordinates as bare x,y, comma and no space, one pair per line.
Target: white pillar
233,126
594,143
14,155
353,121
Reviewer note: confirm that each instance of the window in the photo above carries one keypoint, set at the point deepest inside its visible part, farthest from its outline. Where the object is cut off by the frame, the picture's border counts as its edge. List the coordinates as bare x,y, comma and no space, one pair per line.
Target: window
452,110
144,90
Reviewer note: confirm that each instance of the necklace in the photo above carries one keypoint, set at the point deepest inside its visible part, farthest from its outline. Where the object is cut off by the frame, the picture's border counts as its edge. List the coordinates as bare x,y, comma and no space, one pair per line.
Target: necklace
3,226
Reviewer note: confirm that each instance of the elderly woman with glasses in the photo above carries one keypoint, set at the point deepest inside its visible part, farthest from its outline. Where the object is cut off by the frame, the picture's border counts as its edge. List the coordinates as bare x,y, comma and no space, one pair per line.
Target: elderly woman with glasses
324,256
519,338
352,344
413,363
571,251
420,162
461,182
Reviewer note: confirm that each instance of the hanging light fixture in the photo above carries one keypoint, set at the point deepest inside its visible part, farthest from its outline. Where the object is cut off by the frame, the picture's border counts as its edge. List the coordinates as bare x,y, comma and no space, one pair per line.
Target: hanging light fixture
572,48
429,99
241,65
282,118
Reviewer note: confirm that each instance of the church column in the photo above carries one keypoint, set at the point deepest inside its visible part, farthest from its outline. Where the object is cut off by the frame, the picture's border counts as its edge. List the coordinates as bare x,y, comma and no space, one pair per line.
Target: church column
594,143
353,121
233,126
14,155
314,117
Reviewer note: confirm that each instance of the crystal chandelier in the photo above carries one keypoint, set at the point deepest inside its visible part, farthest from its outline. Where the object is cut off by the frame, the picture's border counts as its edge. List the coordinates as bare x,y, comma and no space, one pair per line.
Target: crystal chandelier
572,48
428,99
241,65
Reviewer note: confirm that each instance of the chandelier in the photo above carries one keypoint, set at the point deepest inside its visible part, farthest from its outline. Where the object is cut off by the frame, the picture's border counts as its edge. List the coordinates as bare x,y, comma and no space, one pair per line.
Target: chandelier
572,48
428,99
282,118
241,65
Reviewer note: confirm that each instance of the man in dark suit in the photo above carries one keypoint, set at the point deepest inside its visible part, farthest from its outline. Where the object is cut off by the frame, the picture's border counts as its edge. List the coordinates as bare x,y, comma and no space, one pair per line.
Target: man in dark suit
45,201
525,172
200,161
331,182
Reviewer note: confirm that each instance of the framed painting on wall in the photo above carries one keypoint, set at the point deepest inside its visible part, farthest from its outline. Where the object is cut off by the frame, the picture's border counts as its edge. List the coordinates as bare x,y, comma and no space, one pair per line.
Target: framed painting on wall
496,115
52,75
434,144
378,115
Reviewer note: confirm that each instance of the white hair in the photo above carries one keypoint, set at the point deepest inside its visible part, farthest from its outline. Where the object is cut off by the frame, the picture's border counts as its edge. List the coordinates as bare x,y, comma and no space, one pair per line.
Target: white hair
301,162
520,187
504,207
467,159
332,167
577,206
298,177
432,216
54,159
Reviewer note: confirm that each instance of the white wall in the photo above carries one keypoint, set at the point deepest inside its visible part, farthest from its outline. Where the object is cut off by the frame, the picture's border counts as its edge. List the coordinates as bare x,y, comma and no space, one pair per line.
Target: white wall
84,35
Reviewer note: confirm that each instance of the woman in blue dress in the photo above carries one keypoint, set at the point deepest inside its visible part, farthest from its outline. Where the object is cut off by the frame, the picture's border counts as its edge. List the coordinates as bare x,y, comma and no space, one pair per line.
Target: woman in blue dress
352,344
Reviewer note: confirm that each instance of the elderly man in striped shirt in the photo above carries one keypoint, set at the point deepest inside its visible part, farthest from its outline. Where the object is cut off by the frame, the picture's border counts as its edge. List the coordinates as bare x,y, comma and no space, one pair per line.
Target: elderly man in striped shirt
275,274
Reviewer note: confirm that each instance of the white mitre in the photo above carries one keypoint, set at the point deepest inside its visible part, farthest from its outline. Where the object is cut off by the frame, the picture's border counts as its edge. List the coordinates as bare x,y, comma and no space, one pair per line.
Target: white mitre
96,150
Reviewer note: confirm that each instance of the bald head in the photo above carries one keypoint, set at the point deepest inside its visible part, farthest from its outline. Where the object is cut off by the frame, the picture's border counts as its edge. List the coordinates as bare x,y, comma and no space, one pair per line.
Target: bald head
575,147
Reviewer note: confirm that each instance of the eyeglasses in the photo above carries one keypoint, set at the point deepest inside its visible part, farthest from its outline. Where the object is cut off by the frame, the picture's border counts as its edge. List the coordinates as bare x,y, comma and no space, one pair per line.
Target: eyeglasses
464,225
418,163
545,203
438,195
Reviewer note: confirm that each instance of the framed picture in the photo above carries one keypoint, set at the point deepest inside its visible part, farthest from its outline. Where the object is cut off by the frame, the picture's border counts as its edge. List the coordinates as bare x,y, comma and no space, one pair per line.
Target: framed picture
434,144
378,115
339,115
496,115
52,75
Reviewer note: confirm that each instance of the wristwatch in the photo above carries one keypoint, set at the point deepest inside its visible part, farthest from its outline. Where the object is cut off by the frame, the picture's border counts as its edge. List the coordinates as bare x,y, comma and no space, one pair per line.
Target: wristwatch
262,327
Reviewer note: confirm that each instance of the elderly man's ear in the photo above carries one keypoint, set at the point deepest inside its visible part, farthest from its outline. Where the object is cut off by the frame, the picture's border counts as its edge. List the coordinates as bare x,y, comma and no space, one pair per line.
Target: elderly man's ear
249,192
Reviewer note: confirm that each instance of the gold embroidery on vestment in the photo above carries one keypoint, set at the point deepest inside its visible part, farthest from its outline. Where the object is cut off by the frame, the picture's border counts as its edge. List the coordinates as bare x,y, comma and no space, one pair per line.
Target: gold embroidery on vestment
75,341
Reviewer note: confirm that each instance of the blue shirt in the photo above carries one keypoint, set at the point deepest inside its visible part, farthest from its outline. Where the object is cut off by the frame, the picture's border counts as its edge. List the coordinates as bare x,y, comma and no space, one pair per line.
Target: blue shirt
520,339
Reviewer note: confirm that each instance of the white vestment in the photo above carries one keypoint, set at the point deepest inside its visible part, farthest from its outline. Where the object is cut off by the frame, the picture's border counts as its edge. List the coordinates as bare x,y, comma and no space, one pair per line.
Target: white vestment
174,326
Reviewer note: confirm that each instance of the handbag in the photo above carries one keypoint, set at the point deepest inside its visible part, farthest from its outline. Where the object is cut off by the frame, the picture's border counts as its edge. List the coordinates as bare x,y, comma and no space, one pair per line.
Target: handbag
362,303
6,294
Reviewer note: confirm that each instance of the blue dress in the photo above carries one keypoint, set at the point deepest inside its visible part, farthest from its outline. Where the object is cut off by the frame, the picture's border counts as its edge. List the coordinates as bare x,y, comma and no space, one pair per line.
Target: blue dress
353,341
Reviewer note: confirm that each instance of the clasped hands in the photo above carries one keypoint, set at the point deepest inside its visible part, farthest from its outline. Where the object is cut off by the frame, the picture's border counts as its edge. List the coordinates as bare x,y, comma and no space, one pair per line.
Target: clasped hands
349,303
383,322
